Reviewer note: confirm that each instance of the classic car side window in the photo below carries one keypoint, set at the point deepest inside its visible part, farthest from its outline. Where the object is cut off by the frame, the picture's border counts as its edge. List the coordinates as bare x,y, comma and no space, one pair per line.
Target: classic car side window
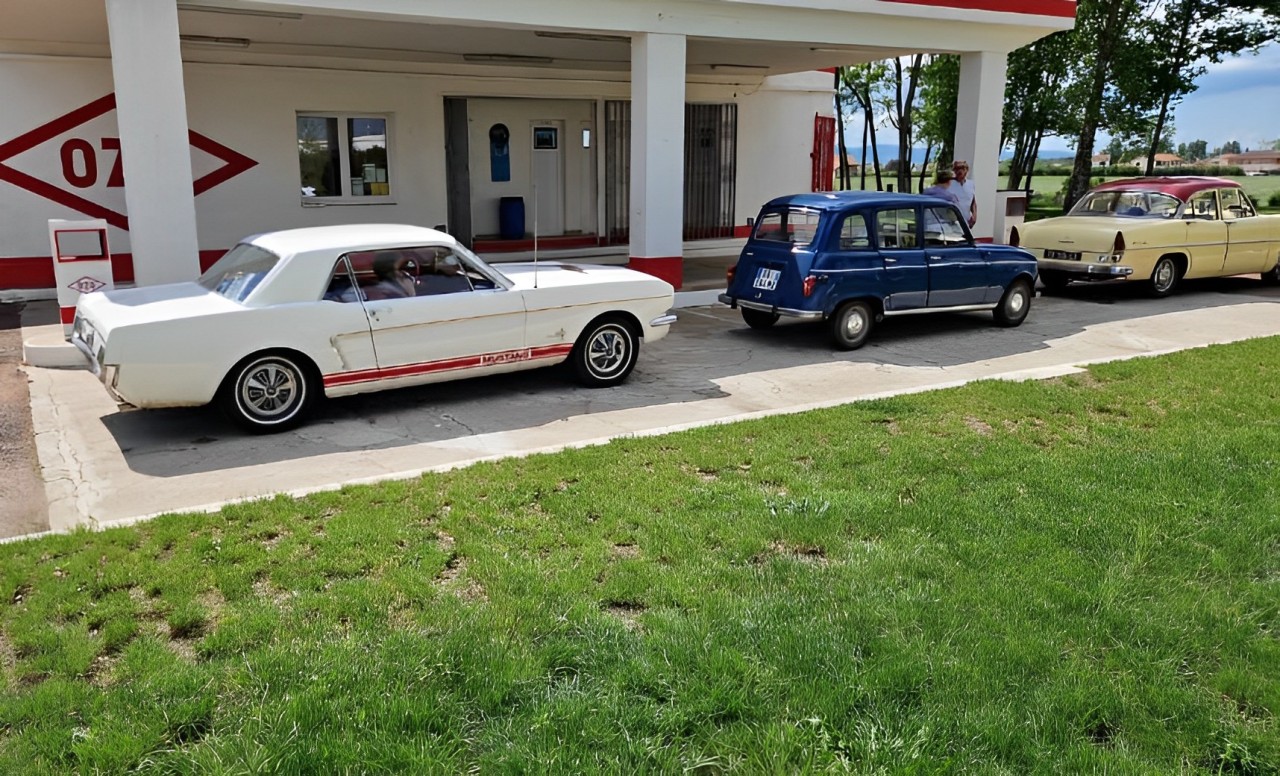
942,227
385,274
1203,206
1235,204
442,272
896,228
342,287
853,233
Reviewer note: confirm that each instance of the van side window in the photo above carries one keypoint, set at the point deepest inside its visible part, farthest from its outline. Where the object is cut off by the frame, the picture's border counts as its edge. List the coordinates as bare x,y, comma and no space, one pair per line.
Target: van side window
853,233
896,229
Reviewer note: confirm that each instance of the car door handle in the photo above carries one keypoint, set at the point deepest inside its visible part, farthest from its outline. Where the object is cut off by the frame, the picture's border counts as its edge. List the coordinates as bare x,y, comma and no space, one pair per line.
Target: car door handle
890,261
935,258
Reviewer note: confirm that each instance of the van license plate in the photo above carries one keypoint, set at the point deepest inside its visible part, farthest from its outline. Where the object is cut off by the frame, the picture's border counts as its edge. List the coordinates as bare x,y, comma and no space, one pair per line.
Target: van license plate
767,279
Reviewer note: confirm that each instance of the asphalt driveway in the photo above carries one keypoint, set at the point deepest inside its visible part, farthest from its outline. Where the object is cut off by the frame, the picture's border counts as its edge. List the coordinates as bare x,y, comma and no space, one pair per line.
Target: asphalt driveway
100,465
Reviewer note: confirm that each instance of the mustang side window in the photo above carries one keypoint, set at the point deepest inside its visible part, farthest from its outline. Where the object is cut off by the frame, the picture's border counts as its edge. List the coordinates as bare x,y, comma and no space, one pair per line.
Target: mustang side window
942,227
896,228
853,233
341,286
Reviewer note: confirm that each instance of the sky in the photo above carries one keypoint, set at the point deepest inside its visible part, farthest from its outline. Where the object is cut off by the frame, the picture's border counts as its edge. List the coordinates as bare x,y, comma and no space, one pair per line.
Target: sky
1238,99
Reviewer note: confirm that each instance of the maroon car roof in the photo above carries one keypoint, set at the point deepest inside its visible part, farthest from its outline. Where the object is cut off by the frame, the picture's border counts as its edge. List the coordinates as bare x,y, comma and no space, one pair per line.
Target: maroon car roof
1182,187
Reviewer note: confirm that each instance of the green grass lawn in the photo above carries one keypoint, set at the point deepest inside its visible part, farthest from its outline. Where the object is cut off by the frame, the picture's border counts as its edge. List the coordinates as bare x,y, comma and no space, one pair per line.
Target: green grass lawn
1073,576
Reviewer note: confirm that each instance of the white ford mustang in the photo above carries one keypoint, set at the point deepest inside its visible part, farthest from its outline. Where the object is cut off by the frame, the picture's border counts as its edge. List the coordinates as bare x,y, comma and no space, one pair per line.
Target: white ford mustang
286,316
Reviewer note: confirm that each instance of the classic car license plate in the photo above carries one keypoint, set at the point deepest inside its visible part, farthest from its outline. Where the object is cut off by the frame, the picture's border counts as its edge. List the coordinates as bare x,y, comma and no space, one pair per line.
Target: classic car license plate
767,279
1067,255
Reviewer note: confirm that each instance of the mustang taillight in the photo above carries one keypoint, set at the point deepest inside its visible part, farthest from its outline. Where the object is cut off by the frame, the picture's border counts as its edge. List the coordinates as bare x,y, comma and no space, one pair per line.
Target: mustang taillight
1014,238
728,276
809,283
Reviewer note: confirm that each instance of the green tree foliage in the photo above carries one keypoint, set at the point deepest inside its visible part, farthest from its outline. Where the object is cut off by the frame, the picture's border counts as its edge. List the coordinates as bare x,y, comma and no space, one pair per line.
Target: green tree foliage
863,83
939,94
1035,102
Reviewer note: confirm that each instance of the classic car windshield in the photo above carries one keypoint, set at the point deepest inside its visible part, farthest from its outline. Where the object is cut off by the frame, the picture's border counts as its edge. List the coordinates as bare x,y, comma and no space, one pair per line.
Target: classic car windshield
239,271
794,225
1130,204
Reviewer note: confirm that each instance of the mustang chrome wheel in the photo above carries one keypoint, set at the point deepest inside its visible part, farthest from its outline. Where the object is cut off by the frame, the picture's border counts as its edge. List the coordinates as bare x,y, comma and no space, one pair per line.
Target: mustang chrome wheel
605,353
267,393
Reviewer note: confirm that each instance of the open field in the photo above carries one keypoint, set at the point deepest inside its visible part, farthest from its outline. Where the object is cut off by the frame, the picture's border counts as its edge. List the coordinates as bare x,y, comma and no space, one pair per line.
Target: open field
1073,576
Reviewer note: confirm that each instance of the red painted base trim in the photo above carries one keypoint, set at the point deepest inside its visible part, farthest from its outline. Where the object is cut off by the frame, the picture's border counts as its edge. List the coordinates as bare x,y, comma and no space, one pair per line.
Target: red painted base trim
36,272
984,240
483,245
68,315
1063,8
742,230
449,365
669,268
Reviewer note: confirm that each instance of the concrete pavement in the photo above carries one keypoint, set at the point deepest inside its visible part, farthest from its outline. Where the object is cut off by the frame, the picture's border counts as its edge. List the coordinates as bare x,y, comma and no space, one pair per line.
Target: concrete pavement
102,467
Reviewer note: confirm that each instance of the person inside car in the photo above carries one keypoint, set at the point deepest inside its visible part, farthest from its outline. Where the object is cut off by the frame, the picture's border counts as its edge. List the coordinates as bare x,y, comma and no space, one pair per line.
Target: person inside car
394,281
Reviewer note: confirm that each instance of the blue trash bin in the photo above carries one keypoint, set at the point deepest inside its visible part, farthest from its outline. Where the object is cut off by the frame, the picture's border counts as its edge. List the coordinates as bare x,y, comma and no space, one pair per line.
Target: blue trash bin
511,218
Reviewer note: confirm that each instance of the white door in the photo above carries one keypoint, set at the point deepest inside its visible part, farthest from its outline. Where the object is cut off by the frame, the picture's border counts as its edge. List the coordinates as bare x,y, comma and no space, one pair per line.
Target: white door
546,212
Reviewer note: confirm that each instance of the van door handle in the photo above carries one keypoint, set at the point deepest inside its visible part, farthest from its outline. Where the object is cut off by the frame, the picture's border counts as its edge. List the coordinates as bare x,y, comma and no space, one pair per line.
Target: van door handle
890,261
935,258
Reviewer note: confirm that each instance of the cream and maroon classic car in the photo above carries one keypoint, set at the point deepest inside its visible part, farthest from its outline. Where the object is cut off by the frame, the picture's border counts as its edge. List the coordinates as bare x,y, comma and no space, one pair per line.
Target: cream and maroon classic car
1155,231
285,317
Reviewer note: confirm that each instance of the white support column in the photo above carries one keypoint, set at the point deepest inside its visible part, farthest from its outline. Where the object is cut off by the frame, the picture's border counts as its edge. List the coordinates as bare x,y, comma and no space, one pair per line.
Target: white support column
979,115
151,112
657,155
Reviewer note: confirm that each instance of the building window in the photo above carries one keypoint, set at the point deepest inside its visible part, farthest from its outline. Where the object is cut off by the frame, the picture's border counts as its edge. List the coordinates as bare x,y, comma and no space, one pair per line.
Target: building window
343,156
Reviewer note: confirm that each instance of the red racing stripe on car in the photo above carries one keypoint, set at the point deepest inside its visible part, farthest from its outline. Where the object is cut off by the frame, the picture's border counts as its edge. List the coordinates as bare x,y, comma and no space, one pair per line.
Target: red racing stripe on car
448,365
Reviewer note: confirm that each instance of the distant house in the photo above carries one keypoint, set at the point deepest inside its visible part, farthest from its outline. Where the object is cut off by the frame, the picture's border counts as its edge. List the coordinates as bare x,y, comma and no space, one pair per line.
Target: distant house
850,163
1169,160
1252,161
1101,160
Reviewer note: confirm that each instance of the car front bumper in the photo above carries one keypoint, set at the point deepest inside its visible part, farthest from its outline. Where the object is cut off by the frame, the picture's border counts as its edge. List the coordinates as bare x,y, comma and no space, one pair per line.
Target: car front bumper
786,312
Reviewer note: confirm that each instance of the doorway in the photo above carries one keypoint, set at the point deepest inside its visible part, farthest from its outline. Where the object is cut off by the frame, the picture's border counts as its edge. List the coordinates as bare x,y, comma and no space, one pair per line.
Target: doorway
547,208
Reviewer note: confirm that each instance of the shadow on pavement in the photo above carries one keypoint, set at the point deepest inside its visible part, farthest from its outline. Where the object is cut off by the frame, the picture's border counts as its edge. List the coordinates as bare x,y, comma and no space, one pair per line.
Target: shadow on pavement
706,345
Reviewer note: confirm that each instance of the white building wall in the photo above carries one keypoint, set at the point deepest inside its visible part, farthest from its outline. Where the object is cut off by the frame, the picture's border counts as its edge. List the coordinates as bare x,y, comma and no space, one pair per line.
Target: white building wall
252,110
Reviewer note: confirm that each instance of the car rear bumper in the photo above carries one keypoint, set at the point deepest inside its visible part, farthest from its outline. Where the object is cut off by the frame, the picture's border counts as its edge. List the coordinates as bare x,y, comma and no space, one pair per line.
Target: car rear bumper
1083,269
786,312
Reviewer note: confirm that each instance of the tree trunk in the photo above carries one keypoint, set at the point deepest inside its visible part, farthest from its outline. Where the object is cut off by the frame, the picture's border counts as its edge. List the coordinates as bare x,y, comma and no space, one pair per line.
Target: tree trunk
1184,32
925,166
1082,169
866,122
843,164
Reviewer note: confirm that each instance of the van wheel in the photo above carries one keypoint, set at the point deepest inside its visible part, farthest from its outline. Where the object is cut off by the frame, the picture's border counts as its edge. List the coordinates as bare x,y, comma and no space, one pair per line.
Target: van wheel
1015,304
605,353
851,325
759,319
1164,278
268,392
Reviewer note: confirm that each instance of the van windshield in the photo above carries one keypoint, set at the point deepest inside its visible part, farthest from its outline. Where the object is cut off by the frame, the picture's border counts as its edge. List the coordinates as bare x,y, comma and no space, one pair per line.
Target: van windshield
239,271
793,226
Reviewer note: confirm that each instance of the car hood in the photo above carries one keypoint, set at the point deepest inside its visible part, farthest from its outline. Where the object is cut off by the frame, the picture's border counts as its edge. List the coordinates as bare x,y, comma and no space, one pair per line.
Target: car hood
1087,234
108,310
628,282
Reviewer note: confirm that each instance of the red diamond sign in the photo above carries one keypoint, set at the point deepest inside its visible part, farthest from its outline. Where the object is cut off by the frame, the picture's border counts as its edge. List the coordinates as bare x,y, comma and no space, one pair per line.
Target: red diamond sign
78,158
86,285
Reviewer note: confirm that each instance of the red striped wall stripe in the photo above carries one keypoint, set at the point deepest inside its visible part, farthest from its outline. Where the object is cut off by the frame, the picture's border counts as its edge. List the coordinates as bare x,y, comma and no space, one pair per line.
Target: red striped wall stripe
1061,8
36,272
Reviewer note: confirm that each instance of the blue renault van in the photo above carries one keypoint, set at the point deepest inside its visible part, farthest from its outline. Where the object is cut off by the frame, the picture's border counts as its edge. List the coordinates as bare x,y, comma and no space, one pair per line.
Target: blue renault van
855,258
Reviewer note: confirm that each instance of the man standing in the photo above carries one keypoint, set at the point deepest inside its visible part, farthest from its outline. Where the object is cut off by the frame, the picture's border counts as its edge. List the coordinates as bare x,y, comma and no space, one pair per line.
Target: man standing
942,187
962,187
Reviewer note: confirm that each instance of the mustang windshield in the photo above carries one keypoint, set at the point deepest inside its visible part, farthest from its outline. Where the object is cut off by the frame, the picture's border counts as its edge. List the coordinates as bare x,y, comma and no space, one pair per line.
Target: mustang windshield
239,271
1130,204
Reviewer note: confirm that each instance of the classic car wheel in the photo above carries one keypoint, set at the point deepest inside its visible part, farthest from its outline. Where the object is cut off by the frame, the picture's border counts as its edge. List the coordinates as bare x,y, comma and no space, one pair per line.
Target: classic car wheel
605,353
1015,304
1164,277
851,325
1272,276
759,319
268,392
1052,280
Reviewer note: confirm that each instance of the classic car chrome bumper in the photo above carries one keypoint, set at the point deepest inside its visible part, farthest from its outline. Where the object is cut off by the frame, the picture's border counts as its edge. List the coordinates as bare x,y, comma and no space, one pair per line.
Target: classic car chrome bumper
663,320
1082,268
107,373
786,312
